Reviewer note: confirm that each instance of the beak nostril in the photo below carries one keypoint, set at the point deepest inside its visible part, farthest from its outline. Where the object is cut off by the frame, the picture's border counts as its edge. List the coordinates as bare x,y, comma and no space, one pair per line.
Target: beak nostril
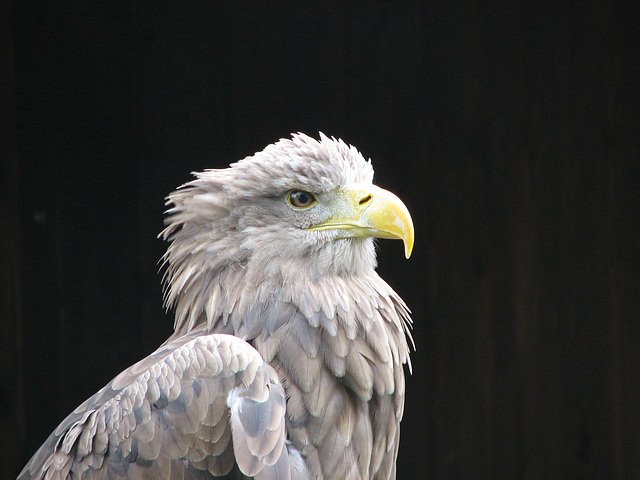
365,199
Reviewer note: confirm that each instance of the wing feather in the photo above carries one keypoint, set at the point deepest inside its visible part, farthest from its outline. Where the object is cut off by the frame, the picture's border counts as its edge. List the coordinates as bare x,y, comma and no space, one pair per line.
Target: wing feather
169,417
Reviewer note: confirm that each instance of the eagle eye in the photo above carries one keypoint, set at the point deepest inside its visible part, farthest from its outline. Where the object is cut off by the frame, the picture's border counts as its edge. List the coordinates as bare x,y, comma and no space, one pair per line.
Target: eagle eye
301,199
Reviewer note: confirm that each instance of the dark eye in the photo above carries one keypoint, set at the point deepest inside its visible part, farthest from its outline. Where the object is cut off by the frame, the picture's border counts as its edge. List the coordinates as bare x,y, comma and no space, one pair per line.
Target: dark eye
301,199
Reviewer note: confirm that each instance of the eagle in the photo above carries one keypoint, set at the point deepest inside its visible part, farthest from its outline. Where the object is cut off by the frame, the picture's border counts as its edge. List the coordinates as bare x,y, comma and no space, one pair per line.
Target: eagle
288,353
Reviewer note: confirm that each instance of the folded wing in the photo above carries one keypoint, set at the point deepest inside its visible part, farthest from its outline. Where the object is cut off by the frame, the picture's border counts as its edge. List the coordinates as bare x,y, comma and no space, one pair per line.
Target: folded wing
199,405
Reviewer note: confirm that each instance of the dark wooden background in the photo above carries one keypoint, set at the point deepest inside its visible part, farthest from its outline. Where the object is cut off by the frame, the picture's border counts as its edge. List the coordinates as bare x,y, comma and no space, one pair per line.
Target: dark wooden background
511,130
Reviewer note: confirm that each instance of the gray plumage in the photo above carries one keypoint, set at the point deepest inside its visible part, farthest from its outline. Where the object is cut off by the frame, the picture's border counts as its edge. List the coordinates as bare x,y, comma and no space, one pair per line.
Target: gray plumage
288,351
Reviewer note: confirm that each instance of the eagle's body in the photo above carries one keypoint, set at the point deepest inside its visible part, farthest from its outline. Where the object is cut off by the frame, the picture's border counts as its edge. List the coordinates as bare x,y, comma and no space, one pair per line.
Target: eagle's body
277,252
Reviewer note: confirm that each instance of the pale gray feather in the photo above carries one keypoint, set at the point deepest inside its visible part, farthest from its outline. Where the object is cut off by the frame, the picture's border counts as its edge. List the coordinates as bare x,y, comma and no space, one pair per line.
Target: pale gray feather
167,416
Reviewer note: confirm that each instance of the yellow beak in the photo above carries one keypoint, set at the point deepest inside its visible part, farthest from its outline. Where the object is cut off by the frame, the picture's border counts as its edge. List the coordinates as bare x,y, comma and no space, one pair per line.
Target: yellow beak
370,211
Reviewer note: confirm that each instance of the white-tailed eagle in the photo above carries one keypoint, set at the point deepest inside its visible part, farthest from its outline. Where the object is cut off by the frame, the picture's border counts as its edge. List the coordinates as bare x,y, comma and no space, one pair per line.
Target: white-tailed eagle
288,351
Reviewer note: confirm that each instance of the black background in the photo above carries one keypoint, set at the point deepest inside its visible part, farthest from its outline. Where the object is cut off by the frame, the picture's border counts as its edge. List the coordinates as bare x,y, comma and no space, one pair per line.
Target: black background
510,129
